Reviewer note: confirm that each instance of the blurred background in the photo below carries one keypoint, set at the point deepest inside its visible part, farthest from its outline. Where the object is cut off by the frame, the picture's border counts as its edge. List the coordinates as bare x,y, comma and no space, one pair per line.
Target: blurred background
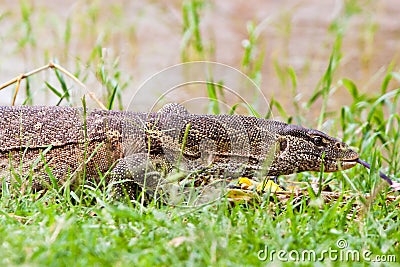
286,47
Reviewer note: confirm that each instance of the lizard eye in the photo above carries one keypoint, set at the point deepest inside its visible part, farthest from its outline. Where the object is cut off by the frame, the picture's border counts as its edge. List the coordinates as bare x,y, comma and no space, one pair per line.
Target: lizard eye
318,141
282,145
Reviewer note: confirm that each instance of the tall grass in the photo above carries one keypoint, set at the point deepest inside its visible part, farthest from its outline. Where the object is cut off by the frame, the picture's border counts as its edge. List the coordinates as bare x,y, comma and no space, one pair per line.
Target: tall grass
63,227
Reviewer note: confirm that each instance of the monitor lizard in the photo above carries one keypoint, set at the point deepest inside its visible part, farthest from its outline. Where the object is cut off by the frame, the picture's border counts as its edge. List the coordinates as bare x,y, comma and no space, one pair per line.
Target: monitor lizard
44,142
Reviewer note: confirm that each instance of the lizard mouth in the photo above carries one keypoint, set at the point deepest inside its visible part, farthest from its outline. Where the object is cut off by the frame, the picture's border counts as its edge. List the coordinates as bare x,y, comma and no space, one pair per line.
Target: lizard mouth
342,164
348,163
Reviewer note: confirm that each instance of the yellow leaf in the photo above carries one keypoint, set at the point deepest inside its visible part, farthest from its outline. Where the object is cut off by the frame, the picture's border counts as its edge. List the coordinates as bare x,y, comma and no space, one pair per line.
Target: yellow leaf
269,186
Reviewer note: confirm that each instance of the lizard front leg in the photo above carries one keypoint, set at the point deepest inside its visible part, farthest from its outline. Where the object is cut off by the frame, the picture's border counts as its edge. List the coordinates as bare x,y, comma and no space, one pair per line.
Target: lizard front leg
135,174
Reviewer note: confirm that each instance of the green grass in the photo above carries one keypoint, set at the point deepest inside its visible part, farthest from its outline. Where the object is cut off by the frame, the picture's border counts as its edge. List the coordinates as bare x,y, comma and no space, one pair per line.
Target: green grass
65,228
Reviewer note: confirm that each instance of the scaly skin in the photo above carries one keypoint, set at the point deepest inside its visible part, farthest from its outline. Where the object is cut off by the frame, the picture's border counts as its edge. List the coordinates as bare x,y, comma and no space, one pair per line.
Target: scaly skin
141,148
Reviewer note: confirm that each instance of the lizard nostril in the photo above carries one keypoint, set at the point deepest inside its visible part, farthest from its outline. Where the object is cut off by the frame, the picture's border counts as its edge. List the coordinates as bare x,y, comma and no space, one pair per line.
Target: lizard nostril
339,145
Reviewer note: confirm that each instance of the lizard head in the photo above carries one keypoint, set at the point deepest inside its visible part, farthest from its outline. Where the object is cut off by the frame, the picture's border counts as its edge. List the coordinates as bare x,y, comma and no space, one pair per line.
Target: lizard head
299,149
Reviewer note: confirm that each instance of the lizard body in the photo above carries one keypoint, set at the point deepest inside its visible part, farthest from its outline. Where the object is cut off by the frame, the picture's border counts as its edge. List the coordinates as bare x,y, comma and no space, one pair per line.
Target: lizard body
138,147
